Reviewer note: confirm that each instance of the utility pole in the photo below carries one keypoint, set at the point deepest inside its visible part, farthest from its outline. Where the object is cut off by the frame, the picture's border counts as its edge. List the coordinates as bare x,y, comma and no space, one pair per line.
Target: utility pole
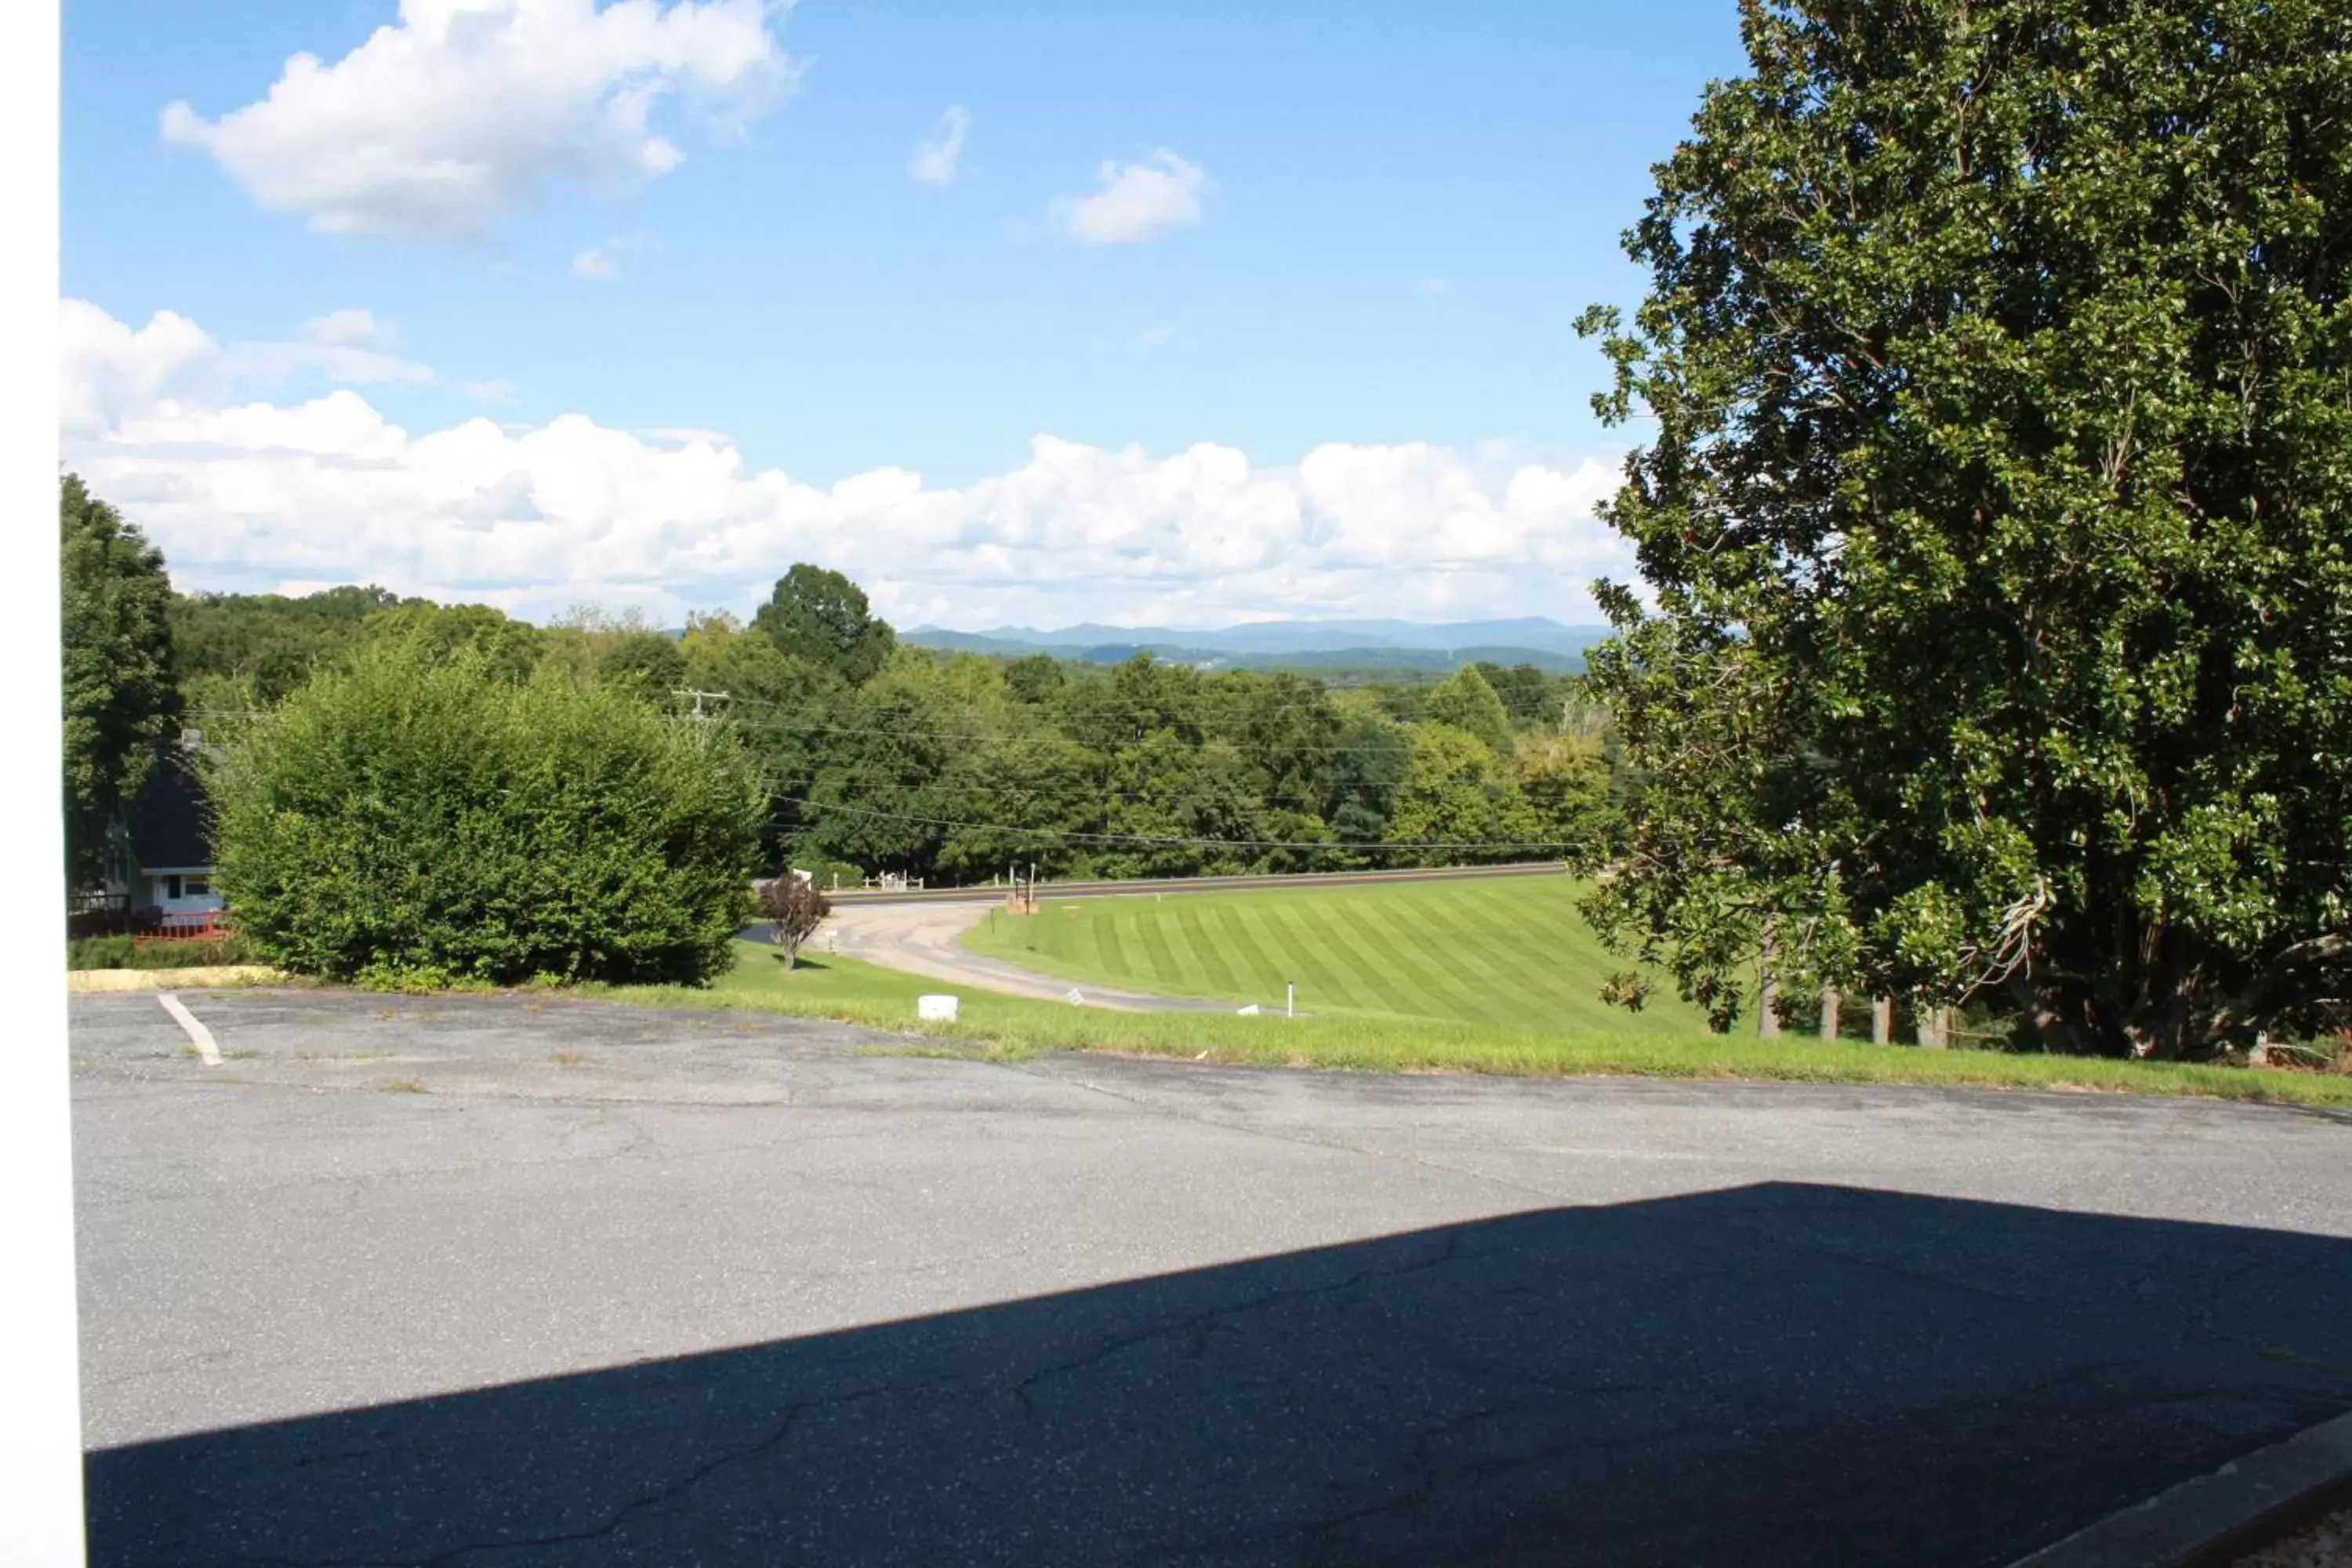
699,716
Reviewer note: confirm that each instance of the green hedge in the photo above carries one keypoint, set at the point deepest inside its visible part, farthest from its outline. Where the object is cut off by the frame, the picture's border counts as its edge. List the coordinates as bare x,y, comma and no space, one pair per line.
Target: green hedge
123,952
413,816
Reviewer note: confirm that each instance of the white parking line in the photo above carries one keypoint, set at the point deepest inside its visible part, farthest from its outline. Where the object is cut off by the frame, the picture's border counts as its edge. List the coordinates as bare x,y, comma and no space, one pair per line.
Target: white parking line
198,1035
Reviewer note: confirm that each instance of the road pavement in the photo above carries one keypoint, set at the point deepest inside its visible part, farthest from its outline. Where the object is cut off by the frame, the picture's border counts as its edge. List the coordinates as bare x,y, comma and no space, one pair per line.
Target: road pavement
926,940
523,1280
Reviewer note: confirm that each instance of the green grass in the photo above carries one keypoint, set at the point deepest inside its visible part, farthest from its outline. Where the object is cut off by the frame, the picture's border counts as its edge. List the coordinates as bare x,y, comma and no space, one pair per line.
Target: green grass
1012,1027
1510,953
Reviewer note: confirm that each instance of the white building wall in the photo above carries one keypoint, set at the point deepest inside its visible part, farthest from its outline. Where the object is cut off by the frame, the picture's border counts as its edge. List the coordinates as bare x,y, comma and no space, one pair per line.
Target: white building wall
158,892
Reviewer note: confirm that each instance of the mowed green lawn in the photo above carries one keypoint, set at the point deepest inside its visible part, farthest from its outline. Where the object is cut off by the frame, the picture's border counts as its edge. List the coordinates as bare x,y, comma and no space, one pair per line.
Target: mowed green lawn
1008,1027
1511,951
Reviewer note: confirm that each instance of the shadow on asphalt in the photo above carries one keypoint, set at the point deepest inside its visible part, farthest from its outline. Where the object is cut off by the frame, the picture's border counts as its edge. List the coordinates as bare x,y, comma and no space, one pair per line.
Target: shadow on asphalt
1776,1374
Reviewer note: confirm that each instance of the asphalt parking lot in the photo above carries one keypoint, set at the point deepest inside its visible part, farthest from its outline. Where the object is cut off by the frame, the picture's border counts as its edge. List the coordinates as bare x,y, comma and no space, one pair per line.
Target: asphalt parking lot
519,1281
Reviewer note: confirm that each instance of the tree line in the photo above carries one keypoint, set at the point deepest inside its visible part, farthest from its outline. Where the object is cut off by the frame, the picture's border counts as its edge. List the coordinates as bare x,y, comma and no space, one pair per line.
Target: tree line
878,757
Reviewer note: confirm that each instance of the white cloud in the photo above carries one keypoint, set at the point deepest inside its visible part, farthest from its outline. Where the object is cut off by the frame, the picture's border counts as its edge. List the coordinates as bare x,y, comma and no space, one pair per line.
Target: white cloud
935,160
495,393
107,372
537,517
602,263
460,112
356,329
1138,202
348,347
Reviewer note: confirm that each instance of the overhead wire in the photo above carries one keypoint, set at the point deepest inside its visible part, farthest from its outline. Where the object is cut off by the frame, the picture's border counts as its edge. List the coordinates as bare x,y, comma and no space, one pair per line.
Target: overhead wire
1182,840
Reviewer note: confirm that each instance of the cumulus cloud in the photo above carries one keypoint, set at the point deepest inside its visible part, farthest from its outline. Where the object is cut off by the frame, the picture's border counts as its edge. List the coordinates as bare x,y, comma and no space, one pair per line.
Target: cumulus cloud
108,371
1136,202
460,112
348,347
598,264
539,517
935,160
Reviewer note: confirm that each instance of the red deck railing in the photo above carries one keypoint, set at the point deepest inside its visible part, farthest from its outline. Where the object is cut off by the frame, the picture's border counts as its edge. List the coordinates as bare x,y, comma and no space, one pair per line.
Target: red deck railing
198,925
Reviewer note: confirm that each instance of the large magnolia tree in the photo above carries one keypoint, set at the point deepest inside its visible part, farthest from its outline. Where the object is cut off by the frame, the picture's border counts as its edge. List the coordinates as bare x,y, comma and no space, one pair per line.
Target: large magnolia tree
1997,517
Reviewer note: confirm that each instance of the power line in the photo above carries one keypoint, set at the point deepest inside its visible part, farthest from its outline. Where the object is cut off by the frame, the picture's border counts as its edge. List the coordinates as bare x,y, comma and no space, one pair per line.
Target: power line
1232,708
1341,845
1399,747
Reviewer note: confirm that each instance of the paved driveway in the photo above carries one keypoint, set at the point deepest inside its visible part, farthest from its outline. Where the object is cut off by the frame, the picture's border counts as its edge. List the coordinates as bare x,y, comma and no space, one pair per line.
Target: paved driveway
926,939
501,1281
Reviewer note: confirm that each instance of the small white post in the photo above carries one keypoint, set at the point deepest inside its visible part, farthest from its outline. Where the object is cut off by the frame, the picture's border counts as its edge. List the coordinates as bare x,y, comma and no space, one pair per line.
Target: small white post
1290,999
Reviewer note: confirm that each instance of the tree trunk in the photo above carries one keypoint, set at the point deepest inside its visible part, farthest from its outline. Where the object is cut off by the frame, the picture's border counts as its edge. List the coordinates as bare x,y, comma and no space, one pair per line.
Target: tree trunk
2044,1011
1881,1020
1935,1027
1830,1002
1767,991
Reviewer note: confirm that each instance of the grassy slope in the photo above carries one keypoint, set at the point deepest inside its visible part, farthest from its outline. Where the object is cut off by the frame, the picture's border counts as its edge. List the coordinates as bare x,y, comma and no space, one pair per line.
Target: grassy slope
859,993
1512,953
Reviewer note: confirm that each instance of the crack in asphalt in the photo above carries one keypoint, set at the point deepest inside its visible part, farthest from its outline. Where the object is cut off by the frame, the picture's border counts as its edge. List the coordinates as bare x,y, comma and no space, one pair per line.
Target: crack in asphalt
1427,1477
1169,1113
669,1492
1200,1324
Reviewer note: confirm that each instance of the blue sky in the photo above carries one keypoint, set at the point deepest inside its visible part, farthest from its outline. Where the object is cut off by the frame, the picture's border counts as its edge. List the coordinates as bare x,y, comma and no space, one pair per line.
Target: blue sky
1318,359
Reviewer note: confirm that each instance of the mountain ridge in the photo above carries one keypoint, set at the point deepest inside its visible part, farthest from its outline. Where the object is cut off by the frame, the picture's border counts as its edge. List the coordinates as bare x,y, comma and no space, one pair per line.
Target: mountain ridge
1534,633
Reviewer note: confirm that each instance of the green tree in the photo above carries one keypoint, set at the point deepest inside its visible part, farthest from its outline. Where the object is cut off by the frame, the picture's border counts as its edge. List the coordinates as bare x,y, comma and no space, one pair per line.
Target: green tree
872,801
1465,702
647,663
784,709
1131,702
1037,781
415,813
1995,516
1566,785
822,617
1036,678
236,651
508,649
1457,791
1522,688
1175,791
121,702
1286,725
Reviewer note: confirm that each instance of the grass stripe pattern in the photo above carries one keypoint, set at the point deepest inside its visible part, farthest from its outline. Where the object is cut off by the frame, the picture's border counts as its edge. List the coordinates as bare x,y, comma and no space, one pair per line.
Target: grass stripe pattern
1511,952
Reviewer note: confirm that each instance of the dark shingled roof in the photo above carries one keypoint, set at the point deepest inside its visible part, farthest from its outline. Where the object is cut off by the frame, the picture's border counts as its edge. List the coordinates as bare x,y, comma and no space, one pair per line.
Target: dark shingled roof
167,820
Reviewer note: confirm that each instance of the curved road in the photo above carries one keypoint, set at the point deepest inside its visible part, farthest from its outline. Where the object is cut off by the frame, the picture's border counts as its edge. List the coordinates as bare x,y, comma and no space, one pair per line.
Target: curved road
925,939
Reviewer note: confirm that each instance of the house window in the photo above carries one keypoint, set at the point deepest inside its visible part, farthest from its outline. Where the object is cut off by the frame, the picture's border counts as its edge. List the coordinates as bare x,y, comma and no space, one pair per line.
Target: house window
199,886
171,886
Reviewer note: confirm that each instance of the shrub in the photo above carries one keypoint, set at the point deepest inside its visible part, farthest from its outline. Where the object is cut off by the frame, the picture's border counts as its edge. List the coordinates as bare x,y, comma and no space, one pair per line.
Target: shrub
99,952
205,954
418,814
792,908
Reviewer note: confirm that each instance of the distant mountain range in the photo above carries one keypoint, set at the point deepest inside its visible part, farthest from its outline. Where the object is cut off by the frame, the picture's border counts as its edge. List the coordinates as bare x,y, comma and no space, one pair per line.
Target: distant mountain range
1295,644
